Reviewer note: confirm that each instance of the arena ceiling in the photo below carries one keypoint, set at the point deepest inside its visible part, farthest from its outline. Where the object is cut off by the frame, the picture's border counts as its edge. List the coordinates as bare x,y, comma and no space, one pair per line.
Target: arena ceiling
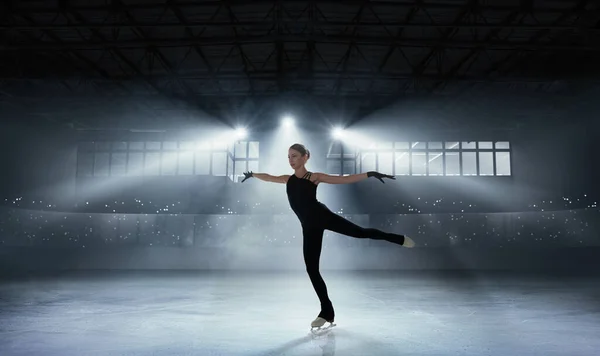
76,61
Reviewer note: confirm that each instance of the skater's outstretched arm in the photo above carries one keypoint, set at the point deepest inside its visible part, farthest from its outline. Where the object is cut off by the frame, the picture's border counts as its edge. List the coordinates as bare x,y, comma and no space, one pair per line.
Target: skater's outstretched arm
352,178
266,177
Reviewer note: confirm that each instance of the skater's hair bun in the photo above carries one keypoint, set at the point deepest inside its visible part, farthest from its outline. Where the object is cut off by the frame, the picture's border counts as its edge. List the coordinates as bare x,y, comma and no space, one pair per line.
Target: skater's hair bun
300,148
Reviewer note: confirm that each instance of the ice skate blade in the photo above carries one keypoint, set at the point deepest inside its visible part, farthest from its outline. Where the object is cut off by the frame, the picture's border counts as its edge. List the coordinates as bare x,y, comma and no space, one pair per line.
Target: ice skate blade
318,330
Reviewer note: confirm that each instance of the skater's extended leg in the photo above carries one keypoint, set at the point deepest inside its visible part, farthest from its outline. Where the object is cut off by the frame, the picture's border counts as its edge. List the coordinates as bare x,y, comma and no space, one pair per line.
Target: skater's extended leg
343,226
313,242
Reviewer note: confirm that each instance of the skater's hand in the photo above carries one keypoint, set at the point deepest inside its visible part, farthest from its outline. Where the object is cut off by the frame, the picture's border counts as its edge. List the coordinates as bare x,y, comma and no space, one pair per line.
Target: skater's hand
380,176
247,175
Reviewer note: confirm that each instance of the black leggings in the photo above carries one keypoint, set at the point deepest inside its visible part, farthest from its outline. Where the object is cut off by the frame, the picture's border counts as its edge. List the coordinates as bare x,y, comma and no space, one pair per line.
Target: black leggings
313,241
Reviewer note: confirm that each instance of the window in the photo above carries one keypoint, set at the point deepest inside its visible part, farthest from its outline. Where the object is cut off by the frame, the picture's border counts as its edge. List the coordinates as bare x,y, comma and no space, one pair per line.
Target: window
85,164
137,146
486,145
334,167
170,146
402,163
401,145
486,163
241,149
502,156
118,164
402,158
243,158
230,167
452,145
135,164
419,145
452,163
419,163
153,145
469,163
86,147
503,164
119,146
169,163
501,145
253,166
102,146
139,158
187,146
240,168
335,150
437,158
368,162
385,162
349,167
468,145
152,163
101,164
342,159
436,163
253,150
186,163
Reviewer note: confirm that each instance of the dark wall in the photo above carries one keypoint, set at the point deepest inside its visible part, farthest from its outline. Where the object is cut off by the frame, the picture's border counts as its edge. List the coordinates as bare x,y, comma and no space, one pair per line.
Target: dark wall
37,161
14,261
557,160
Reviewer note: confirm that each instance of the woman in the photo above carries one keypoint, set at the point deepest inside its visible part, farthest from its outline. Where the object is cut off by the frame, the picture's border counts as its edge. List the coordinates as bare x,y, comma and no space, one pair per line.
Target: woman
315,218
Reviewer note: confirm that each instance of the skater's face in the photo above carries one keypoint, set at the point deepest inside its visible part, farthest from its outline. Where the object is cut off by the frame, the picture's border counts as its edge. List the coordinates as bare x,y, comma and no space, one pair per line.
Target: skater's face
296,158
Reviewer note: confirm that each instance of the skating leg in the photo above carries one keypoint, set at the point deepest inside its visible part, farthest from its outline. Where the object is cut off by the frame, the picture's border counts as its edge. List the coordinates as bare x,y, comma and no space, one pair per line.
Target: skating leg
313,241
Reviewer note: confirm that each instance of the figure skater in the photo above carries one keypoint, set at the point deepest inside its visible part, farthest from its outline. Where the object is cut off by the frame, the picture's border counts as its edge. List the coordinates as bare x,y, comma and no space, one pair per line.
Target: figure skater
315,218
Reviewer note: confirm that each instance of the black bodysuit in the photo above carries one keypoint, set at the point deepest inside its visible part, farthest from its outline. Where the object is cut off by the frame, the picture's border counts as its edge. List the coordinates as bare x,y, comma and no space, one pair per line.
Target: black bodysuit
315,218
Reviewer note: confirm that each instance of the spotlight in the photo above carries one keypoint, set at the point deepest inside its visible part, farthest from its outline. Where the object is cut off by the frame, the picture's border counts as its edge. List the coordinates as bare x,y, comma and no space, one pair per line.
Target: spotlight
287,121
337,132
240,133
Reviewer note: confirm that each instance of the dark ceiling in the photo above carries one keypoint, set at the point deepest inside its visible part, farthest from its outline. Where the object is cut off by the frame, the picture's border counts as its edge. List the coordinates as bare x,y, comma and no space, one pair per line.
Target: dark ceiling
76,61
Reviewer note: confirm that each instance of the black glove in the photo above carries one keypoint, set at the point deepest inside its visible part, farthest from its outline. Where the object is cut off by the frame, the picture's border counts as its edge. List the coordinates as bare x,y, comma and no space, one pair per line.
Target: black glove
379,176
247,175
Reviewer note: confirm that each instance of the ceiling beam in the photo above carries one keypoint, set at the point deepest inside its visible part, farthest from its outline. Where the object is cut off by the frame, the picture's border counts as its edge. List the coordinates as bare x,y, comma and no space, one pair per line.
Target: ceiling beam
18,7
268,75
266,24
273,38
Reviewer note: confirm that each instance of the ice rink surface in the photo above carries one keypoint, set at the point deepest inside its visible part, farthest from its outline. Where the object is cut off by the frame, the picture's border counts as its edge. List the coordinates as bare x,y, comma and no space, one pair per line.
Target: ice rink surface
267,313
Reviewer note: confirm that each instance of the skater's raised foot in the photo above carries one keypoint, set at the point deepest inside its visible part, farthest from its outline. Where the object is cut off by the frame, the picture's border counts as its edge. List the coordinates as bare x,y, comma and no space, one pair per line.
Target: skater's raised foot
408,242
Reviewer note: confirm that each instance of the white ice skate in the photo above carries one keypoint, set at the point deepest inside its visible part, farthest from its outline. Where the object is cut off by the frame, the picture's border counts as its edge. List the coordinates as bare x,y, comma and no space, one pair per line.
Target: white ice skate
318,325
408,242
